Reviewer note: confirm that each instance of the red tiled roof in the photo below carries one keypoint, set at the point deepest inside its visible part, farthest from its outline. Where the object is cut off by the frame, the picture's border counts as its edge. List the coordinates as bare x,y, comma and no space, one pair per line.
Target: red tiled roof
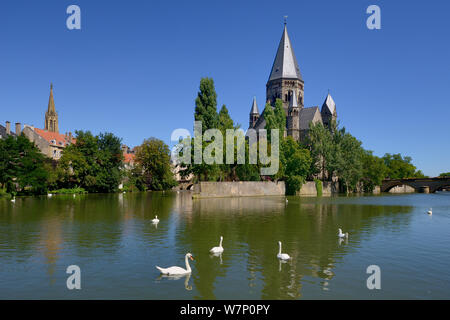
52,137
128,158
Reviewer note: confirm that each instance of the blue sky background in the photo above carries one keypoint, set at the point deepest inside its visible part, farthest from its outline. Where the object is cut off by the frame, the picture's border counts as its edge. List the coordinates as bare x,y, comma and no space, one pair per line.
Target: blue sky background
135,66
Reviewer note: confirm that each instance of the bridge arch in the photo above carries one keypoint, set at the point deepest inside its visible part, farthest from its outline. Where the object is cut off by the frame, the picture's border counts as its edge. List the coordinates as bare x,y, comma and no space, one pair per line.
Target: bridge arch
389,186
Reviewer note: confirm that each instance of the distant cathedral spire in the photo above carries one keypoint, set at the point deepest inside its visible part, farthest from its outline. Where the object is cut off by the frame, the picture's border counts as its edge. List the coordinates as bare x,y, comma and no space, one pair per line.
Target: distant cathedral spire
51,116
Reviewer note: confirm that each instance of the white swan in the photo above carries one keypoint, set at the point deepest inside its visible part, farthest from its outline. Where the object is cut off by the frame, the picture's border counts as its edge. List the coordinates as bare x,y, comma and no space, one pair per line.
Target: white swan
218,249
282,256
156,220
342,235
173,271
430,212
13,199
49,195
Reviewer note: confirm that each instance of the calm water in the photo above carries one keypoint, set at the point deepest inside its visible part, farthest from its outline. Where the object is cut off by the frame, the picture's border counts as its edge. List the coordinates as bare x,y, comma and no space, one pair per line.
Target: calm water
111,238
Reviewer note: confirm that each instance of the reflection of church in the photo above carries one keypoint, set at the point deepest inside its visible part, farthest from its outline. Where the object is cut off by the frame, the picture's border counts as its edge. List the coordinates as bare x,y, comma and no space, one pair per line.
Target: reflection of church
286,83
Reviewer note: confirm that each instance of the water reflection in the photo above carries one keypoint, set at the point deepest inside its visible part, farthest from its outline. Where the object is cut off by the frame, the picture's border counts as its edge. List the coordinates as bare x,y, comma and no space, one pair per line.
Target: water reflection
178,277
115,241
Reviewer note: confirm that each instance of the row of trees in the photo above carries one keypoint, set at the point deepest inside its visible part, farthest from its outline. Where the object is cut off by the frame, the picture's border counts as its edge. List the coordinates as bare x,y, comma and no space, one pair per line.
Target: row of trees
327,152
93,164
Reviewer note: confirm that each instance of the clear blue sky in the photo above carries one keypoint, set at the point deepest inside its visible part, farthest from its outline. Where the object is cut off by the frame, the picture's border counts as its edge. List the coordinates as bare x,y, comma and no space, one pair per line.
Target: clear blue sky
135,66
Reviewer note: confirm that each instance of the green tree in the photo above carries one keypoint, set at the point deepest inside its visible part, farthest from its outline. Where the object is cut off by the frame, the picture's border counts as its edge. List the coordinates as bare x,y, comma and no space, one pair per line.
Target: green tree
275,118
444,175
22,166
93,163
280,116
320,144
271,120
374,171
399,167
347,159
206,105
295,164
153,161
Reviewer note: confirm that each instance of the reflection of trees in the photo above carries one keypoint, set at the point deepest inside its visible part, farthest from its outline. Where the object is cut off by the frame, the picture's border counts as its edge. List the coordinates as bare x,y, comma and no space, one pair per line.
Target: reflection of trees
92,225
307,227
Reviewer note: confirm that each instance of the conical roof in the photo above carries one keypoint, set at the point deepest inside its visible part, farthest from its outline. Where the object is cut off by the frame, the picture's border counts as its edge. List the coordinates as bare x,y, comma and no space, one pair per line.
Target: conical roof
285,64
329,104
51,102
293,103
254,107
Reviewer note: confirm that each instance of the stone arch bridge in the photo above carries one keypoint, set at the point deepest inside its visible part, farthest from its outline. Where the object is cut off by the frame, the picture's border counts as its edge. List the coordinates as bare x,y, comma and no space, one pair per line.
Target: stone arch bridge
423,185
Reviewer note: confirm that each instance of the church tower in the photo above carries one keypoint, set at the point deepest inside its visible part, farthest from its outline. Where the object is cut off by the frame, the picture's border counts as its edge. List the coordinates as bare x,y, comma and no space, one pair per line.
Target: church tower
285,77
254,114
293,118
51,117
329,113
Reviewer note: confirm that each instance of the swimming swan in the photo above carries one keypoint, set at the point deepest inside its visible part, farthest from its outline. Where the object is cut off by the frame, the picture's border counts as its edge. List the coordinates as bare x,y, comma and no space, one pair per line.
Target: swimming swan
13,199
342,235
430,212
218,249
282,256
156,220
172,271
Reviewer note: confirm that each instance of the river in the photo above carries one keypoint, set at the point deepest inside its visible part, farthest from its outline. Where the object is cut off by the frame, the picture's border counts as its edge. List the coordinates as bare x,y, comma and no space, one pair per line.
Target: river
113,241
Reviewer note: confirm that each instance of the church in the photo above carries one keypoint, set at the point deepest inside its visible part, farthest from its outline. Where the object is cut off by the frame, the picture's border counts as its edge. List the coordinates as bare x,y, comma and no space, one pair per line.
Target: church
286,83
49,140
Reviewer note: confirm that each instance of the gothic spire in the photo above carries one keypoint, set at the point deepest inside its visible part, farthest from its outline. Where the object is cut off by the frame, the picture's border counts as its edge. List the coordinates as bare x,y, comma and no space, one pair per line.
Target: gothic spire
285,64
51,102
254,107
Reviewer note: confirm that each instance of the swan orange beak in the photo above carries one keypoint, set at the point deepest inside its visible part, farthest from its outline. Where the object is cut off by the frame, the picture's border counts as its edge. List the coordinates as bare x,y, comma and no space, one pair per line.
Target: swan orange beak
192,258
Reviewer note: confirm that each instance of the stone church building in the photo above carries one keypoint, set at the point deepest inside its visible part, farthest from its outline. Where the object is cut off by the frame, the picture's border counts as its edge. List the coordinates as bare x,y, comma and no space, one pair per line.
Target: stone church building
49,140
286,83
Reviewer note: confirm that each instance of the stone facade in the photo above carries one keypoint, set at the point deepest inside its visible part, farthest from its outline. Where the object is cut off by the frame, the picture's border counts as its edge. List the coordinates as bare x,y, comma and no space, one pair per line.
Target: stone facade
329,188
286,83
239,189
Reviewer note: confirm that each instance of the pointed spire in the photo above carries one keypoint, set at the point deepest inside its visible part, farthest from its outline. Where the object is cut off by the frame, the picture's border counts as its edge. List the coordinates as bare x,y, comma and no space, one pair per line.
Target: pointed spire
285,64
293,103
51,102
254,107
329,104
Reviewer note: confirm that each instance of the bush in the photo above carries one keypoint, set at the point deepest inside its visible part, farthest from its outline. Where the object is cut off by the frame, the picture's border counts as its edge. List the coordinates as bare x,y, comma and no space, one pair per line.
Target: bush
294,184
319,187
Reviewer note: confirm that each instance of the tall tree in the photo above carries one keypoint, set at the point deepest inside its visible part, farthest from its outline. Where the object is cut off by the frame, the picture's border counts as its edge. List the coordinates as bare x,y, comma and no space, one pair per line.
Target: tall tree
280,116
206,105
320,143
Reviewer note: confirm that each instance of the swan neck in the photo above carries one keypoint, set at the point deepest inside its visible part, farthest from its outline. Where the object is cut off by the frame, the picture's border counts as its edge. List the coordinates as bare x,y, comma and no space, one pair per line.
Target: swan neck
220,244
279,245
188,267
